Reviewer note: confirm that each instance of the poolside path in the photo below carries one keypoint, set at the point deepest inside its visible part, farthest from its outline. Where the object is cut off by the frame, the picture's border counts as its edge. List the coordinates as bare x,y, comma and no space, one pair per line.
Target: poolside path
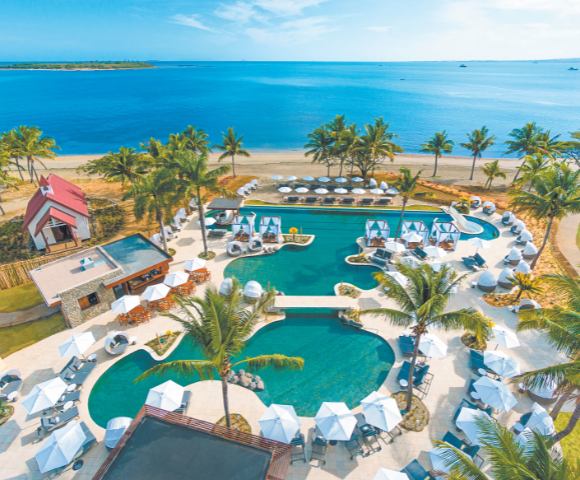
567,231
452,374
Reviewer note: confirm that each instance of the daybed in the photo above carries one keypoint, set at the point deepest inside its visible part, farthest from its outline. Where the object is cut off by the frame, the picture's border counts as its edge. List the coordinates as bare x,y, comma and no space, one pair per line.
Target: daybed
10,382
504,278
116,343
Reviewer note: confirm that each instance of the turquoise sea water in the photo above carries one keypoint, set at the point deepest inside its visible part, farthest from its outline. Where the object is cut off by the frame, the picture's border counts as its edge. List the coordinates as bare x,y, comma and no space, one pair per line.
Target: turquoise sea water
341,365
318,267
276,104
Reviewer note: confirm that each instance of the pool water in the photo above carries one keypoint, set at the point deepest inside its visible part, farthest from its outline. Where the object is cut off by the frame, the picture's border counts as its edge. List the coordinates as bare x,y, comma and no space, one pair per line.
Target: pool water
341,365
315,269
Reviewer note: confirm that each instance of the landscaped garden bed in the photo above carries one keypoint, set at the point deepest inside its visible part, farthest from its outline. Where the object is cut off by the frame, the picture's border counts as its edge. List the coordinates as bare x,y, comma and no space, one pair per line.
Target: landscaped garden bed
162,343
470,341
238,423
210,255
418,418
300,239
361,258
348,291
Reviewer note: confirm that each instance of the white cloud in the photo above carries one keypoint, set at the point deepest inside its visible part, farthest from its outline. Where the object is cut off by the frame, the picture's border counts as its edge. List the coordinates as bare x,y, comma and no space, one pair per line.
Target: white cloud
190,21
292,32
287,7
570,7
378,29
239,12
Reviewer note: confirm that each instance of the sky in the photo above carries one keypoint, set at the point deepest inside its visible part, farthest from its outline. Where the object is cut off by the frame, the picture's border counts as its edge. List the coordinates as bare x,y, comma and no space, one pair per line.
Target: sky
288,30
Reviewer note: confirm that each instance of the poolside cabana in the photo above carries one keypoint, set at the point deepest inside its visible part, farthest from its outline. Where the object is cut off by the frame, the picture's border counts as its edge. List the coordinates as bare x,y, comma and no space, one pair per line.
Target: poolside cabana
10,384
116,343
243,228
475,201
488,207
528,304
504,278
530,251
525,237
508,218
376,233
418,228
252,291
518,227
226,286
271,229
225,209
445,235
523,267
514,257
487,282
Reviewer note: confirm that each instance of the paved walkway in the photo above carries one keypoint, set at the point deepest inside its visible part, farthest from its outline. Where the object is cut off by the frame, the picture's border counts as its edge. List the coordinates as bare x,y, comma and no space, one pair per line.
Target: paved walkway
452,375
28,315
567,231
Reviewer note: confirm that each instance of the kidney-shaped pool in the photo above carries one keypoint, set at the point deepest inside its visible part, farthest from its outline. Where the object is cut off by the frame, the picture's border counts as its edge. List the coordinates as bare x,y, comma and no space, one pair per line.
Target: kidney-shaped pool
341,365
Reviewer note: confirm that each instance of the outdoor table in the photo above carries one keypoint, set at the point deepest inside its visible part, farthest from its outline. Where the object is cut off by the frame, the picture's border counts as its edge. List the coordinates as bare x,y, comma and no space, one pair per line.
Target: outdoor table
132,340
333,442
92,357
473,284
67,405
403,383
482,372
475,395
518,427
71,387
12,396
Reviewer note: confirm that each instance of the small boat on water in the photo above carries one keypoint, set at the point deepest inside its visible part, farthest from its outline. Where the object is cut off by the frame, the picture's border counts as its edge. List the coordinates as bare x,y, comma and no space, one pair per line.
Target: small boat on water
572,68
463,65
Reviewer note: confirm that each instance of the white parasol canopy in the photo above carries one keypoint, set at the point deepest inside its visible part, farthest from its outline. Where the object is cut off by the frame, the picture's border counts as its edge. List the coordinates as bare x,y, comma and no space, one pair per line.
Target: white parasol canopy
77,344
504,337
399,277
341,180
115,429
44,395
372,182
208,222
466,421
412,237
501,363
359,191
194,264
280,423
381,411
167,396
308,178
392,191
335,421
479,243
285,190
156,292
435,252
341,191
377,191
61,447
541,421
383,185
277,177
301,190
291,178
125,304
357,179
495,394
241,192
395,247
321,191
386,474
432,346
175,279
324,179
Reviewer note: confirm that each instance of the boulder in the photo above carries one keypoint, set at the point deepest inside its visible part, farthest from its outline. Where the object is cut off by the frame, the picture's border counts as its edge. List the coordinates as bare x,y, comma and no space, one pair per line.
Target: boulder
257,378
260,386
252,386
241,372
250,376
244,381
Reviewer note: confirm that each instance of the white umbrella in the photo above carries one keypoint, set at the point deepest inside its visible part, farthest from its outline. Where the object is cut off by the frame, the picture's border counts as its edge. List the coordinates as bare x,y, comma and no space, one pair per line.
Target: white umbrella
77,344
359,191
324,179
395,247
502,364
241,192
436,457
115,429
392,191
372,182
377,191
156,292
61,447
399,277
383,185
495,394
335,421
381,411
411,261
194,264
308,178
301,190
44,395
541,421
504,337
167,396
209,221
292,178
479,243
432,346
285,190
386,474
412,237
280,423
341,180
321,191
435,252
277,177
341,191
125,304
357,179
467,422
175,279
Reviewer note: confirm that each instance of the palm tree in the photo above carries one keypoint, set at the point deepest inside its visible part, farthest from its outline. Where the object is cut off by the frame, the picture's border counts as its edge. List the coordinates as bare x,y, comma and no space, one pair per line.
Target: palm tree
533,166
527,285
219,326
31,144
571,148
406,185
557,195
375,146
438,145
423,302
338,130
550,146
126,165
526,141
154,195
492,171
9,145
5,167
478,143
197,140
350,143
231,146
319,145
509,460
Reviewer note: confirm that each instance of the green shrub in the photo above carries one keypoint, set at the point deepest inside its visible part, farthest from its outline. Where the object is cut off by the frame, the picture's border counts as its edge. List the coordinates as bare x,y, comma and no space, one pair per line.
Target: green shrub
14,243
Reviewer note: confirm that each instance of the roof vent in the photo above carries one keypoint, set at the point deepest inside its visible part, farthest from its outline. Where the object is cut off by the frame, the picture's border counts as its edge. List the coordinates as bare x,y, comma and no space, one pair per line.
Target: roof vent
45,190
87,263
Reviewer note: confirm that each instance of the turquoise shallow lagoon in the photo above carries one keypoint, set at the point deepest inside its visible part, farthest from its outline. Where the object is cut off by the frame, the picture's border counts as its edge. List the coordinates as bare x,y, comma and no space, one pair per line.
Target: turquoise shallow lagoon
341,365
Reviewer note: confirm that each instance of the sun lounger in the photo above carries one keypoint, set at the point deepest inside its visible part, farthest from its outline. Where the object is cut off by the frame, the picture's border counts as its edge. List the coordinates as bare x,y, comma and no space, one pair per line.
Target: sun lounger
467,404
69,376
407,344
470,263
423,377
9,384
184,402
299,450
291,199
319,447
67,397
90,440
384,201
310,200
217,232
76,364
420,253
479,260
328,200
477,361
354,446
47,425
415,471
348,200
381,256
367,201
470,450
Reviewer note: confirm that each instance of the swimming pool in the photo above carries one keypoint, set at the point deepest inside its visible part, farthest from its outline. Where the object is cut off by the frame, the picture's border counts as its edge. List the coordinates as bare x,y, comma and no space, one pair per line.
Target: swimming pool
341,365
318,267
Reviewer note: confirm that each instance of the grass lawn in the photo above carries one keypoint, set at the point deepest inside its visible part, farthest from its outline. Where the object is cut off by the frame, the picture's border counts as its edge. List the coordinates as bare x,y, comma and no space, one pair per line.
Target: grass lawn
17,337
571,443
19,298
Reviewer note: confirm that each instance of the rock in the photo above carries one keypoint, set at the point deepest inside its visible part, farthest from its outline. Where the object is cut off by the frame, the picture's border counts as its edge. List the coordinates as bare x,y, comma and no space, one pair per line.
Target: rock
235,379
257,378
244,381
260,385
241,372
252,386
250,376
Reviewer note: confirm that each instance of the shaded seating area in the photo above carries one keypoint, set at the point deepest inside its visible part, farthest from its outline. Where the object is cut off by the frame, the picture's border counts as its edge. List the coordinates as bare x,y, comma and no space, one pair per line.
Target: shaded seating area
252,292
381,256
508,218
234,248
116,343
505,279
525,237
217,233
518,227
299,450
423,377
319,447
487,282
10,384
71,376
376,233
224,209
513,257
47,425
328,200
475,201
420,253
291,199
354,446
420,231
445,235
77,365
243,228
384,201
467,404
530,251
348,201
311,200
366,201
270,229
489,208
477,362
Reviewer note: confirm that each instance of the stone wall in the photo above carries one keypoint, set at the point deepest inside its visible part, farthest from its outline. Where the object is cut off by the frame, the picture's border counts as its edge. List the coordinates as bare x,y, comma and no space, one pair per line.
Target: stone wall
70,300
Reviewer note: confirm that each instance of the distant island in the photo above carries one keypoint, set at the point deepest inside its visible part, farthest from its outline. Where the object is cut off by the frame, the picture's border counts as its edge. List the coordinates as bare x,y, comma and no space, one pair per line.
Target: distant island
70,66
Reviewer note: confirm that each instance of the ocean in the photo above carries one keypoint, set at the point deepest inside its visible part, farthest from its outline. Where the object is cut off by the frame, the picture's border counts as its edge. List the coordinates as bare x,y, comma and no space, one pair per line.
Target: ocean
276,104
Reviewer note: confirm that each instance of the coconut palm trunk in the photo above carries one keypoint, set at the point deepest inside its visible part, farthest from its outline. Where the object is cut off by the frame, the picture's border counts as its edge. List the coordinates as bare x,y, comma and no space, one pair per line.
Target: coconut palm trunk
473,167
202,221
17,161
160,220
559,404
225,397
518,172
401,219
411,372
546,237
436,158
571,424
233,167
2,209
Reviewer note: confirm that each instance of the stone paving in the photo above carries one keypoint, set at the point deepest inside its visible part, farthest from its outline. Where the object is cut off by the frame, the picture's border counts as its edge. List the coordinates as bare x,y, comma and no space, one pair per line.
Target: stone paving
41,362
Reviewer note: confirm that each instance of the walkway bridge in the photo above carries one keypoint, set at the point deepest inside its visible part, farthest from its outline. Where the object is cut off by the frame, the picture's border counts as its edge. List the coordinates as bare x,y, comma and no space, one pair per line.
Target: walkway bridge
306,301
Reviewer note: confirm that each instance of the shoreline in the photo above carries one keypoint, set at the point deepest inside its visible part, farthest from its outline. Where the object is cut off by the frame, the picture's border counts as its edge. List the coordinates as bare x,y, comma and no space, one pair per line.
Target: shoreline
72,69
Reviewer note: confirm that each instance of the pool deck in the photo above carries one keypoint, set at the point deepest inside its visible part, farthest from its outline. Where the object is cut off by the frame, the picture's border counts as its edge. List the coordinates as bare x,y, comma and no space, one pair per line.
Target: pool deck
326,302
41,362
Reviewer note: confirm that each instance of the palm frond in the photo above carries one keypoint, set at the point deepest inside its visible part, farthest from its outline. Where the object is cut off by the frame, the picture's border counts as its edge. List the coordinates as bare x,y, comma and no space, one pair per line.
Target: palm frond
276,362
184,368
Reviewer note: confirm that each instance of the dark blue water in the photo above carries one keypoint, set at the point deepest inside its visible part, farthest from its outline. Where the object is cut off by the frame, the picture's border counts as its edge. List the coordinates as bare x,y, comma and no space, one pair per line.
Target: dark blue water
277,104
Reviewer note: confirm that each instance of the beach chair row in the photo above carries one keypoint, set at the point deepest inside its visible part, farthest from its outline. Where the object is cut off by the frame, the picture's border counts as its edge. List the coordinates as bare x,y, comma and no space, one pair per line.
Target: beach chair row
338,201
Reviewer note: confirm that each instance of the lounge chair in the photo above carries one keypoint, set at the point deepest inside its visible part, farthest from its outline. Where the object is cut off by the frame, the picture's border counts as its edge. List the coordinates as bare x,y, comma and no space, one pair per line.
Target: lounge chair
47,425
479,261
319,447
67,397
328,200
470,263
291,199
217,232
384,201
310,200
423,377
420,253
348,201
369,433
467,404
477,362
415,471
470,450
69,376
9,384
367,201
78,365
407,345
381,256
299,450
354,447
280,185
184,402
